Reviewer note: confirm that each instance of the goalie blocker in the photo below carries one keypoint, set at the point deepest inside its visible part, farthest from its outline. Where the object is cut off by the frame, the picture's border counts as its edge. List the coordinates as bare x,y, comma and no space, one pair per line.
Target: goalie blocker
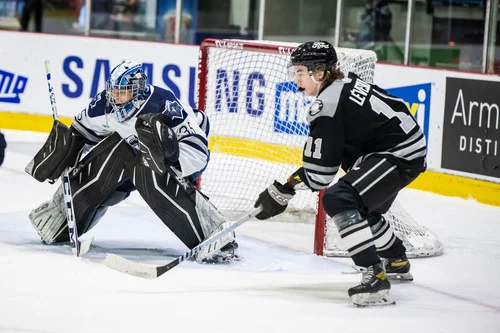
107,175
61,149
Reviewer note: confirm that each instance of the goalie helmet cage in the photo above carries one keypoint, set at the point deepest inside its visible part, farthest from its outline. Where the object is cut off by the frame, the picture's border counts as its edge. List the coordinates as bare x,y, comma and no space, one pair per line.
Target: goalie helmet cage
258,130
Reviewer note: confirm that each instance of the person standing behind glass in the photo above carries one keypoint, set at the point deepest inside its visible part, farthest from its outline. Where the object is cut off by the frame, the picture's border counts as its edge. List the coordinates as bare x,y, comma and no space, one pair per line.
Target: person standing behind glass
29,7
125,15
376,24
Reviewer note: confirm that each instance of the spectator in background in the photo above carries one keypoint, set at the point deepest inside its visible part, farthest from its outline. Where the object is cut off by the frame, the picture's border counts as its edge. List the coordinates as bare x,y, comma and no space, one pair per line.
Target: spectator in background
128,8
29,7
186,33
125,15
376,24
101,13
3,145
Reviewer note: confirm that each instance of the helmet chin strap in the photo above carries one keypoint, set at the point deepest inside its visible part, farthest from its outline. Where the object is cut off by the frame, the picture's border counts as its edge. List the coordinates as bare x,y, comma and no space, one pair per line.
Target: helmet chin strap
318,84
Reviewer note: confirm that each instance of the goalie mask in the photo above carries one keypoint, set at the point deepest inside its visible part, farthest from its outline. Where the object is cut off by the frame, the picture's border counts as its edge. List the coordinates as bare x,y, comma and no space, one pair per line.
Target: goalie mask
315,55
126,89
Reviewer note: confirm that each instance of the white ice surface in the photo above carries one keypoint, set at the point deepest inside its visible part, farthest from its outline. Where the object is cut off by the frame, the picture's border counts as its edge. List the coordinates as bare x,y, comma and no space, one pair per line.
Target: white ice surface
278,287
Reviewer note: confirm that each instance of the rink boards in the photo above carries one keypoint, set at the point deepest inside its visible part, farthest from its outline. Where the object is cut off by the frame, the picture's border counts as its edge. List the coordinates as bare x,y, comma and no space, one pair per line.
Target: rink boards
458,111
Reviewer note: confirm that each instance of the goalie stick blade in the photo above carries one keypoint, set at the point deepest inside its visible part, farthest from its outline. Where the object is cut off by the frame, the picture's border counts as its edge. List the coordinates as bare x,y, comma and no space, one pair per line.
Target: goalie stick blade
85,247
129,267
82,248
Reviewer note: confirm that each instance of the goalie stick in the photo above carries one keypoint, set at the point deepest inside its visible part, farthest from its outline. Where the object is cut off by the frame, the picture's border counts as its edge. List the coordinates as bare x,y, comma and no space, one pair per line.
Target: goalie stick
146,271
78,248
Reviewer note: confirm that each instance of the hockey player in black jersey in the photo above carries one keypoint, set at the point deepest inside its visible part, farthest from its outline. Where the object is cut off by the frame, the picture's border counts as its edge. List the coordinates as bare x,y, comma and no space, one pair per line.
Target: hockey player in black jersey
359,127
142,138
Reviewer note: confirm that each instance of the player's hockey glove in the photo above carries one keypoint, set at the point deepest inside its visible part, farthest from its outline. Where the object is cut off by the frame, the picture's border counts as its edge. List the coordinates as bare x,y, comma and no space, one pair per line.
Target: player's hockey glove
274,200
157,141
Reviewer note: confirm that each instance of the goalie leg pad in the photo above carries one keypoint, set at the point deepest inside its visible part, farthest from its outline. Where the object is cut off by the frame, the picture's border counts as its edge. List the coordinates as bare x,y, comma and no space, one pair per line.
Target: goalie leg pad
49,219
99,181
96,179
62,149
113,199
183,209
172,200
212,221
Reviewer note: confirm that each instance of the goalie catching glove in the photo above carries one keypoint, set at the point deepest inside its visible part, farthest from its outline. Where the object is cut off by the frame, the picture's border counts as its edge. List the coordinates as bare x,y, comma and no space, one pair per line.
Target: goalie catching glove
274,199
157,142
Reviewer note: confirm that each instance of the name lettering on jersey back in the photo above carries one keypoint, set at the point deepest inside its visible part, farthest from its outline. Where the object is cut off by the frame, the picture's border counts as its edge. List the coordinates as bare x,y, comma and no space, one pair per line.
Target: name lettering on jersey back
360,91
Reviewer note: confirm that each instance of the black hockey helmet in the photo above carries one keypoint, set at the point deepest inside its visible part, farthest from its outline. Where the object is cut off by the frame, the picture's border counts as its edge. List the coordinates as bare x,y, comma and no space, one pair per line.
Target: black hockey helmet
313,54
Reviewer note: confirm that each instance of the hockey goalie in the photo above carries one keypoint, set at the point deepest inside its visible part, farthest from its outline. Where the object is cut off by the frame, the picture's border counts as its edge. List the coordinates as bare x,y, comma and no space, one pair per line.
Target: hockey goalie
141,137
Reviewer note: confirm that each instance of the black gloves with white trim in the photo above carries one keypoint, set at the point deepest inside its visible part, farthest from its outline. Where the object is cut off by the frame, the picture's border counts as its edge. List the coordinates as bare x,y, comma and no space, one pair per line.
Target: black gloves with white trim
274,199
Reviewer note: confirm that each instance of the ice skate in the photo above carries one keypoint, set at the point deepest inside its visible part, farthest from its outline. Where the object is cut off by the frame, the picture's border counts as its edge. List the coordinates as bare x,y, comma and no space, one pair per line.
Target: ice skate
398,269
373,289
226,254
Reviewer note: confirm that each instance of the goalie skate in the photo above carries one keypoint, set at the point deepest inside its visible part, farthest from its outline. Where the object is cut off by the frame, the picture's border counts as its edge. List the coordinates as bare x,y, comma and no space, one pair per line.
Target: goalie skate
373,289
226,254
222,250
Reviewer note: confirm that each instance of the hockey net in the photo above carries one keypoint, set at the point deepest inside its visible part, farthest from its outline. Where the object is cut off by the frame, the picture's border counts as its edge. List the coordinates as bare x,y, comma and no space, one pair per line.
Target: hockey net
258,129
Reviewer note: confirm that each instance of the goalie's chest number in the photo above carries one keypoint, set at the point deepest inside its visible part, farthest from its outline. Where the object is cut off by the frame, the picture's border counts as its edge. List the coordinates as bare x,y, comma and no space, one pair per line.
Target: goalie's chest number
310,151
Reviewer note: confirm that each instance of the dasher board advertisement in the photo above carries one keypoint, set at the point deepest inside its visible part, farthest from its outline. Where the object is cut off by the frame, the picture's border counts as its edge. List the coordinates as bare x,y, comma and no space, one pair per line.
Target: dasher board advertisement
471,132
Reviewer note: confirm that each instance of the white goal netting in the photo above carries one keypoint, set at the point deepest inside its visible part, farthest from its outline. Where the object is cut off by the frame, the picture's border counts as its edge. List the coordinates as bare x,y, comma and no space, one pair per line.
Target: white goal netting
258,129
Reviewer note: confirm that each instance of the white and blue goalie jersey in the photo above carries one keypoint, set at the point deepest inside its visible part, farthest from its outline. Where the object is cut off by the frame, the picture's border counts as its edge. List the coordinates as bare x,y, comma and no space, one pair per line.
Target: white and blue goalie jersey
191,126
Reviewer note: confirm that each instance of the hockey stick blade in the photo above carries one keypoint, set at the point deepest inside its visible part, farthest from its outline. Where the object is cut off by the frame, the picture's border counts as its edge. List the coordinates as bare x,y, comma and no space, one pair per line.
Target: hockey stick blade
130,267
146,271
84,247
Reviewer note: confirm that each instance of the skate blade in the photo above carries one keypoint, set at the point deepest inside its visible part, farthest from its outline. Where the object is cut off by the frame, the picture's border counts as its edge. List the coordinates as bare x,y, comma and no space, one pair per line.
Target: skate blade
400,277
379,298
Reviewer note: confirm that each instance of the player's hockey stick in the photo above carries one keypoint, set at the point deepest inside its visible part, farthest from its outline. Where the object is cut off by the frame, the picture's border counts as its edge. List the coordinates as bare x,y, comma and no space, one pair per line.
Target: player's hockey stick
126,266
79,248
